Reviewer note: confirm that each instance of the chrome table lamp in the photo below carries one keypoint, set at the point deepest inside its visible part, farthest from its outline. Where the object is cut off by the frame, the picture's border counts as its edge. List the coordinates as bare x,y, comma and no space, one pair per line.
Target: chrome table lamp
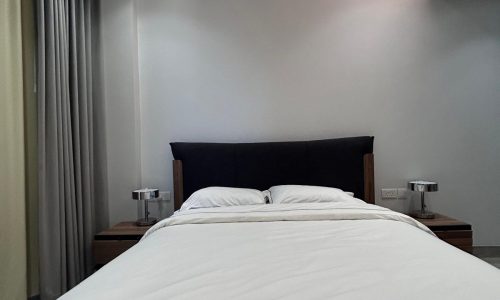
145,195
422,187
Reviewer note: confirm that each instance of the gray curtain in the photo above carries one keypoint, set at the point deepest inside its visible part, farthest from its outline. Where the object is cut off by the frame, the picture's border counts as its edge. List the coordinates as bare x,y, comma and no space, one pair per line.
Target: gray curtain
72,204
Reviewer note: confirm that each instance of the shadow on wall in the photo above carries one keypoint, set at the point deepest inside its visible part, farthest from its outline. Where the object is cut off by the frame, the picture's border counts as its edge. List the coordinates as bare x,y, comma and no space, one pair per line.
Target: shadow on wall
457,24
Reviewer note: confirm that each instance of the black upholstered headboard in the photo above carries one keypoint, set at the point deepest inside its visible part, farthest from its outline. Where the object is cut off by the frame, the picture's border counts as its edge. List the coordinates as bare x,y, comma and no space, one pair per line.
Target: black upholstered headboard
345,163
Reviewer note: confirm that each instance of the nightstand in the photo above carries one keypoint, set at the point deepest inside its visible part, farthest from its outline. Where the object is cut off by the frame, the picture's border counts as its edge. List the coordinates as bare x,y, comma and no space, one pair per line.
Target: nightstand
110,243
452,231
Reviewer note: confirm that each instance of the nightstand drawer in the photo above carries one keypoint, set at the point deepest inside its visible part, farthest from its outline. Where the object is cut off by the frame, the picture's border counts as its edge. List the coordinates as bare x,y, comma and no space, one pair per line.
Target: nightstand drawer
110,243
105,251
459,238
452,231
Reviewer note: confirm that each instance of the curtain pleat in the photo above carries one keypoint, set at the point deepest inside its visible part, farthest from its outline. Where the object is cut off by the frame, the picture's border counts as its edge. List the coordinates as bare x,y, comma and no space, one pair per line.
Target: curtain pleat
67,130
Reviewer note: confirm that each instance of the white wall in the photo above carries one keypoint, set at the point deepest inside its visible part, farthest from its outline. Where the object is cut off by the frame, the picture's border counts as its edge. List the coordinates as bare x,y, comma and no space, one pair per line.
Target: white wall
421,76
121,92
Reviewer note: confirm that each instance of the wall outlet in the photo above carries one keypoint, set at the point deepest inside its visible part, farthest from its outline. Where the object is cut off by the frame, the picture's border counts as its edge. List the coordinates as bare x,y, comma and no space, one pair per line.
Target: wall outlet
165,195
395,193
389,193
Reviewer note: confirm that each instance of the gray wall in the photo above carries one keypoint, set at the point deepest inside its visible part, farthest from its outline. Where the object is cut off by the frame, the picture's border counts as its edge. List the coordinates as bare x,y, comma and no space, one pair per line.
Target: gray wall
121,92
423,77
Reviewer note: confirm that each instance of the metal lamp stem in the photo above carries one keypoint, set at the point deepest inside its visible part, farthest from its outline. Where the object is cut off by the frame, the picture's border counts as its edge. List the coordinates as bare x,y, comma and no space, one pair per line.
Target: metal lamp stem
422,187
422,202
145,195
423,213
146,221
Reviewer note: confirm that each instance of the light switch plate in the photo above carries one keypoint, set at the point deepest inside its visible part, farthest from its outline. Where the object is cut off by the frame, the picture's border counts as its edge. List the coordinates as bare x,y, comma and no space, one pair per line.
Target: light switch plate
165,195
389,193
394,193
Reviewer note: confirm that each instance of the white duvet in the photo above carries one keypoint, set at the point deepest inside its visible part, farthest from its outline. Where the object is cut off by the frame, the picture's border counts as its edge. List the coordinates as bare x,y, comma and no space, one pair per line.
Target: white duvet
292,251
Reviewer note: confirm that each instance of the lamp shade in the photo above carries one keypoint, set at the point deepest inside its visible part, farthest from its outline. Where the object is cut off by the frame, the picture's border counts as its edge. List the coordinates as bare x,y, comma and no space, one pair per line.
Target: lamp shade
423,186
145,194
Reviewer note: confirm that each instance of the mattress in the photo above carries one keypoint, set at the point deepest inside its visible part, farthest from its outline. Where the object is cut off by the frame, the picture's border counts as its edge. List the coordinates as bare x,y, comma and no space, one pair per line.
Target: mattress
291,251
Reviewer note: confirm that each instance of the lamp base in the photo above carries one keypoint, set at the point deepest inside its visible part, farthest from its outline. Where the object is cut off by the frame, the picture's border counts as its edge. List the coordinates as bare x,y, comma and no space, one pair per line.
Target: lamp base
423,214
146,222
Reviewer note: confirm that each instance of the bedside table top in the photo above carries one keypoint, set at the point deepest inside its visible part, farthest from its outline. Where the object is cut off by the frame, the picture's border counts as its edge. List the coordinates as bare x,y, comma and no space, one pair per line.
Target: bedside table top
123,231
442,222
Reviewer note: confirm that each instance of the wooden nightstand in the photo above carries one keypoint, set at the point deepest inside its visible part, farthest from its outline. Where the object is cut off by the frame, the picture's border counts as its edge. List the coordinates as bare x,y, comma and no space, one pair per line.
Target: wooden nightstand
110,243
452,231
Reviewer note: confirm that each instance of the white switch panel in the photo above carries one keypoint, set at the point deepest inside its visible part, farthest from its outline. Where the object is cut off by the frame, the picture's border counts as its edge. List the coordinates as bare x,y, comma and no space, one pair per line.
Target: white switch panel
395,193
165,195
389,193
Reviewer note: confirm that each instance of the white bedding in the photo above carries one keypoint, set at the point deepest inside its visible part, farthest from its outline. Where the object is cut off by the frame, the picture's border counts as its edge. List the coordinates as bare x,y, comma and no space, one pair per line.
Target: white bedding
291,251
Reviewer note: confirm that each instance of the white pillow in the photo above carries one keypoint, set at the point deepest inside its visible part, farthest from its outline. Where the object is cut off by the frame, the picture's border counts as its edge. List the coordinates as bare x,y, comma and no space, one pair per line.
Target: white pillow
282,194
224,196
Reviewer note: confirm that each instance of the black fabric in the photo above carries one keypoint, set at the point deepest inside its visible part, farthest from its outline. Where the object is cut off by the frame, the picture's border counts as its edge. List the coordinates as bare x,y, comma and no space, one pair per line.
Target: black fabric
334,163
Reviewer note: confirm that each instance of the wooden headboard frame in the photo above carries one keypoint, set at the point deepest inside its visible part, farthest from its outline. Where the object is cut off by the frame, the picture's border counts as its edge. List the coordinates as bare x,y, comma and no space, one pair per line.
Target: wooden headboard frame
369,181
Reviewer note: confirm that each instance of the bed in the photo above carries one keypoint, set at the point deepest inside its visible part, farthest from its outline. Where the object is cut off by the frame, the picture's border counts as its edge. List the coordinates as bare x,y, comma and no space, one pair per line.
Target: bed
353,250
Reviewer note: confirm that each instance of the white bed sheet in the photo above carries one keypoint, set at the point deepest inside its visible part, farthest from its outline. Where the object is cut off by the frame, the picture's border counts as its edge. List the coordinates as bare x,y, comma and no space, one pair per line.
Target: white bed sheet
291,251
